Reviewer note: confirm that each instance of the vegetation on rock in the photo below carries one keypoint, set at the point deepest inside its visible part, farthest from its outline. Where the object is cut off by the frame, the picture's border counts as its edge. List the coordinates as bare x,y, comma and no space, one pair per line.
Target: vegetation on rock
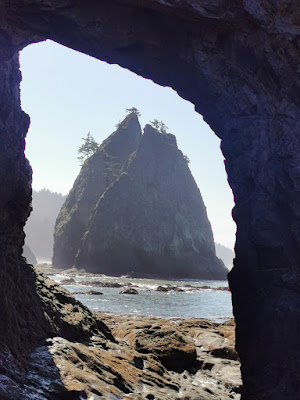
160,126
88,148
133,110
98,172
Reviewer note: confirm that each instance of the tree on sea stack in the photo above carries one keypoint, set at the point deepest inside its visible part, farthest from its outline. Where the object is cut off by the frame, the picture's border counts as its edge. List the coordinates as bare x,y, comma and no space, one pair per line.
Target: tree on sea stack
155,123
160,126
187,159
88,148
133,110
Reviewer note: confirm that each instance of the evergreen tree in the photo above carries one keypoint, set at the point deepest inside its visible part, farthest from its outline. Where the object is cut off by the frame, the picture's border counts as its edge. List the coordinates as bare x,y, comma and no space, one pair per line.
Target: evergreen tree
88,148
133,110
186,158
155,123
163,128
160,126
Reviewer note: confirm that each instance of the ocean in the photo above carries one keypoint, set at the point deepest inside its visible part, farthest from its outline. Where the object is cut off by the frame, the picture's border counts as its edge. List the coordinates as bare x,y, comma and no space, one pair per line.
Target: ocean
193,302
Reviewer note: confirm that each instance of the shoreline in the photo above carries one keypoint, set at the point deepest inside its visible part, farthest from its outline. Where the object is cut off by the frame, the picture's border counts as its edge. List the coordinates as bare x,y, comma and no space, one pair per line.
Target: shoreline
130,357
74,271
147,297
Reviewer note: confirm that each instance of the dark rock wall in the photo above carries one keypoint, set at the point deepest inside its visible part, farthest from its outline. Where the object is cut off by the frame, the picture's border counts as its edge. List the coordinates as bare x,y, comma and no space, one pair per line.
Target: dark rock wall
15,197
238,62
152,222
97,173
32,308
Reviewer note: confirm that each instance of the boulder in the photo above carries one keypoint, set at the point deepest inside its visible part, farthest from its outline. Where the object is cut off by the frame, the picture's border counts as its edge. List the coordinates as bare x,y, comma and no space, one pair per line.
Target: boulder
178,289
174,350
129,291
68,281
162,289
102,284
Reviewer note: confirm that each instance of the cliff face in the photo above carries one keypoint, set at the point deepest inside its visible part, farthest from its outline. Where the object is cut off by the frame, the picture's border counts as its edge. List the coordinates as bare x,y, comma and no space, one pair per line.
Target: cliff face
97,173
32,307
152,221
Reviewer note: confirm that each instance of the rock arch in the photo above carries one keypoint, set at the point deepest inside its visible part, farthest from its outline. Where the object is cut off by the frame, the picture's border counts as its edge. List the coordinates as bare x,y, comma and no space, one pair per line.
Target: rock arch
238,62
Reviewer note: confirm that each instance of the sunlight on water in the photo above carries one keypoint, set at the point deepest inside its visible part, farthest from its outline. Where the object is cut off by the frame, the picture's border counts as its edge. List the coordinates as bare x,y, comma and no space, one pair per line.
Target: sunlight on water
194,302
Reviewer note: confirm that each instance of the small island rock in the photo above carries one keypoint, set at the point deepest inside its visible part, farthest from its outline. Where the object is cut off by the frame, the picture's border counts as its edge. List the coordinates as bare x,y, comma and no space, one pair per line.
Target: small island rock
129,291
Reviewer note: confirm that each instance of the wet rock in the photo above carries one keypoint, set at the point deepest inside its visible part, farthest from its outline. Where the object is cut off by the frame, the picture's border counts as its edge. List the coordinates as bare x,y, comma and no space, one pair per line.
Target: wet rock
103,369
223,288
169,289
175,351
90,293
129,291
68,281
69,318
94,293
162,289
178,289
102,284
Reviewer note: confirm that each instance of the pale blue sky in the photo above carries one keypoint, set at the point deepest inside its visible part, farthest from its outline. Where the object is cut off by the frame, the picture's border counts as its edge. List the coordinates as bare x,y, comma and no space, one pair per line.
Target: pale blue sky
68,94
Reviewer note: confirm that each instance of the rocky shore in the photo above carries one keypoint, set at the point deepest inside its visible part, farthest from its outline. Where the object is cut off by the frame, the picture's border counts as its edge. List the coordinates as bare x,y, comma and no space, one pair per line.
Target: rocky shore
106,356
71,274
147,358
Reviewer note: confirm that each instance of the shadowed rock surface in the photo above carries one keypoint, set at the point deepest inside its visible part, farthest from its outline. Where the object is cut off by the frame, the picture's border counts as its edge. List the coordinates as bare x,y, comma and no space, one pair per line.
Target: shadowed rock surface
238,62
149,358
152,222
97,173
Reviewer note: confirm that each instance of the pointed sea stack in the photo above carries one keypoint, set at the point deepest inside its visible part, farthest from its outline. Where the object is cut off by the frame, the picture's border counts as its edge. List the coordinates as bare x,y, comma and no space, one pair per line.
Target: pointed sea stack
97,173
151,221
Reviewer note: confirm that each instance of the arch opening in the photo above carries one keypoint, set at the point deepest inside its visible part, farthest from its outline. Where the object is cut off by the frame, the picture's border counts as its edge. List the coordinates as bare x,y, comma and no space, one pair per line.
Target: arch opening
88,99
226,59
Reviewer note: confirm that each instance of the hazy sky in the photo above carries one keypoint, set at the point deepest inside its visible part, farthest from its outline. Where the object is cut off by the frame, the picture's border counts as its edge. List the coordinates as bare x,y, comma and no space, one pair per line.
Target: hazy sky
68,94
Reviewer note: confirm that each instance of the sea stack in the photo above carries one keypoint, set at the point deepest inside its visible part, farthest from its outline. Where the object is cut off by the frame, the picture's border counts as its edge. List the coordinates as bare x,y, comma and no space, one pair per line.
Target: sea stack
150,220
97,173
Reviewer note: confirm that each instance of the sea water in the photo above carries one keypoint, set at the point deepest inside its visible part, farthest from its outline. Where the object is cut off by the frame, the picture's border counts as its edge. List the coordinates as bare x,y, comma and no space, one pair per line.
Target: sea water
194,302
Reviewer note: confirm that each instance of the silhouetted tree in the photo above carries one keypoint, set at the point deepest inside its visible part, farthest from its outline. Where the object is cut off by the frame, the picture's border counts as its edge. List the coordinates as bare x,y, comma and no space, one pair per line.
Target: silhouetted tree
155,123
133,110
186,158
88,148
160,126
163,127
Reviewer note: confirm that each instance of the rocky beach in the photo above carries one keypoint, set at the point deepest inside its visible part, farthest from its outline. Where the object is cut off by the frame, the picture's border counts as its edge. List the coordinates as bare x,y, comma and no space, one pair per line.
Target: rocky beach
124,356
185,298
